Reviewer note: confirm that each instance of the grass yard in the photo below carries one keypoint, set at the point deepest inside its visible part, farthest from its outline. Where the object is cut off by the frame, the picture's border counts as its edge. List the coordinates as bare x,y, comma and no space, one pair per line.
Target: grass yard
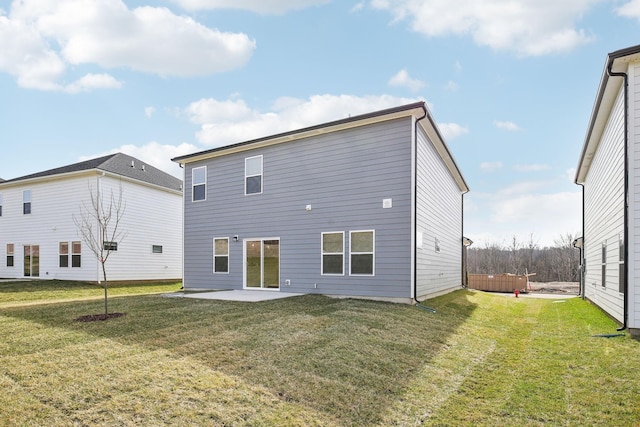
481,359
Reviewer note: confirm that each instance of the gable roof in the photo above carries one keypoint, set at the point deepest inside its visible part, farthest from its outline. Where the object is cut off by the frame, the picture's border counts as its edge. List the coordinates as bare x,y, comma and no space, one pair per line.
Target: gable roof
607,92
118,164
417,109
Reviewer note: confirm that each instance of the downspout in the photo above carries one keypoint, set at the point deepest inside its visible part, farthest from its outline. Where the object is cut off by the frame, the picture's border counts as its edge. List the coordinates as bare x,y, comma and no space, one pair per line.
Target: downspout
583,290
626,192
415,211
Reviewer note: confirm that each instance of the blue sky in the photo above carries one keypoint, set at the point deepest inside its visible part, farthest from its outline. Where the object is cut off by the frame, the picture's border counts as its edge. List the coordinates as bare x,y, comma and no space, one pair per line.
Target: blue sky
510,83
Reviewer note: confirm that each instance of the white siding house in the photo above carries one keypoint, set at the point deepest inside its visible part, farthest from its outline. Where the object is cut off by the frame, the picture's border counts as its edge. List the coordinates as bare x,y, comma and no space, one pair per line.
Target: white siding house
368,206
40,240
609,172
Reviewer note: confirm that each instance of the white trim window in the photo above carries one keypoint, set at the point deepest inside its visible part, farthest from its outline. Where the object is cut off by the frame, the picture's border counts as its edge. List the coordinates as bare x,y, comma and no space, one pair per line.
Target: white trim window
253,175
362,258
332,253
63,254
621,276
26,202
10,248
0,204
199,184
603,265
76,254
221,255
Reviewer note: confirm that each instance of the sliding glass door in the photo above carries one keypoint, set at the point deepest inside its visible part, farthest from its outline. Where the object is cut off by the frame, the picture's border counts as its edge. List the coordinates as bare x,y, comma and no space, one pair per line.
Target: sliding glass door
262,263
31,261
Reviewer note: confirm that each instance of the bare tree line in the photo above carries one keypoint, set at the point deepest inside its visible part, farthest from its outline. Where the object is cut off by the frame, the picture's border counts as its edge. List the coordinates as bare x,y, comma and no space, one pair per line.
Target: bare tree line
557,263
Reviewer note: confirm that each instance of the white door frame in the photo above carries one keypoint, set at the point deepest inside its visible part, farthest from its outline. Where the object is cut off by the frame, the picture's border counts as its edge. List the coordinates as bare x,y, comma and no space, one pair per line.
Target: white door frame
244,263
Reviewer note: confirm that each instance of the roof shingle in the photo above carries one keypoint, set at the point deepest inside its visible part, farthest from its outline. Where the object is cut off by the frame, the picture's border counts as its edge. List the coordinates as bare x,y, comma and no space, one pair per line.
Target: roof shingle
120,164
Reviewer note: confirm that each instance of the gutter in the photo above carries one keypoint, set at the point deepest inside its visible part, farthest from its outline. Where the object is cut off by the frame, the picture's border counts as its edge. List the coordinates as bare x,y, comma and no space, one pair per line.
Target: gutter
625,76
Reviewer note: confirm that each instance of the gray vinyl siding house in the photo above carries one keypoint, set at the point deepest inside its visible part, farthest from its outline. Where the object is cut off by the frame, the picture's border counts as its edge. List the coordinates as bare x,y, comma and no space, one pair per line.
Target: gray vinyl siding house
369,206
609,173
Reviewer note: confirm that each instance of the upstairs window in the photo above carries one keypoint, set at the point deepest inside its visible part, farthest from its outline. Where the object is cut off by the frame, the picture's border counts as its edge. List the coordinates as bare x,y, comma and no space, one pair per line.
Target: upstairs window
0,204
221,255
63,251
333,253
156,249
199,183
9,254
362,245
253,175
26,202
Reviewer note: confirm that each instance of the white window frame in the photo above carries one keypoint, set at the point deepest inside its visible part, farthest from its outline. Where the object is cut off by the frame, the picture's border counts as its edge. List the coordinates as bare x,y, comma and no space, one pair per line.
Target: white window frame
67,255
261,174
323,253
0,204
194,184
26,199
373,253
227,255
11,248
622,278
76,255
603,265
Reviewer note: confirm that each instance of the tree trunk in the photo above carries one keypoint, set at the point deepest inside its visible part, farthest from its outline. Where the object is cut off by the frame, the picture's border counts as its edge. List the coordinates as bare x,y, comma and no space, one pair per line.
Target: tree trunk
104,275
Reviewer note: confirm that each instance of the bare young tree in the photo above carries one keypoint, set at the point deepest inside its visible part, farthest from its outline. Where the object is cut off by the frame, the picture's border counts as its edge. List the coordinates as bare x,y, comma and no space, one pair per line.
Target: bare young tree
99,228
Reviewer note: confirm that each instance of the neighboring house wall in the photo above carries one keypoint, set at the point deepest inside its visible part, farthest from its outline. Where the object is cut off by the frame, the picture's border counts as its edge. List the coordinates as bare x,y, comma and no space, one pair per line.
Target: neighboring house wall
634,196
439,257
604,215
344,176
152,217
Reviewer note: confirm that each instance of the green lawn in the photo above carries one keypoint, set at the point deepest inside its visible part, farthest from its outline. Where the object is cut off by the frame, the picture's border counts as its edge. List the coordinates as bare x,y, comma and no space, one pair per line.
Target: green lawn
481,359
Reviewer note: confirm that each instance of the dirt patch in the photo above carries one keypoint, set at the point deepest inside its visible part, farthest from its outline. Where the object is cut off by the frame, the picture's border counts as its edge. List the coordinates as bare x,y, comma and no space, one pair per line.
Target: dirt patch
555,287
96,317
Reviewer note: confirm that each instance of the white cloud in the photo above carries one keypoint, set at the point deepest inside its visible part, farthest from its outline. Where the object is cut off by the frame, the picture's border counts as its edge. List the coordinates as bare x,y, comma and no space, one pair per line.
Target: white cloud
93,81
490,166
570,174
526,27
451,86
155,154
358,7
402,79
510,126
531,168
149,111
520,210
452,130
231,121
630,10
275,7
41,39
538,208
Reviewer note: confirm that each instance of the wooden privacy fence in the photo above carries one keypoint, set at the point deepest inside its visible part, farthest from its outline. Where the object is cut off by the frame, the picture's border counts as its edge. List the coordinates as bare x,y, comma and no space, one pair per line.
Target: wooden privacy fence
498,282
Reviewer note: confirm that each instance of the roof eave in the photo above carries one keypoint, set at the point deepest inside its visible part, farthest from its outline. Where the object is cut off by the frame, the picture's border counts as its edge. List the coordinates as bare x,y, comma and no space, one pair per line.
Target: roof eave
607,91
445,153
350,122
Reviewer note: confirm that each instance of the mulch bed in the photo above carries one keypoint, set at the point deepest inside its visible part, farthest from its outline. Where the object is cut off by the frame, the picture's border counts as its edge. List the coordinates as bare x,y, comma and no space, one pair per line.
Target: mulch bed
95,317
